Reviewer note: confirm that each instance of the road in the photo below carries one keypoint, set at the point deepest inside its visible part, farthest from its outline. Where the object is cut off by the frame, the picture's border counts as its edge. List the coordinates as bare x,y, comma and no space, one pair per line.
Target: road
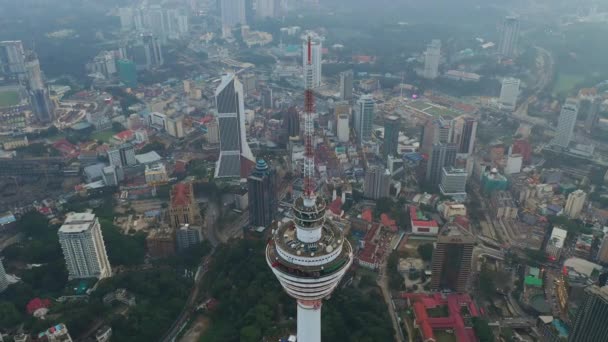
383,284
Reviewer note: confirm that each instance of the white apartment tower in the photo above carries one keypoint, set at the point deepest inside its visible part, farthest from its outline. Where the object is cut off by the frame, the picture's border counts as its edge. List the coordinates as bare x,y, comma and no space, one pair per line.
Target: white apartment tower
575,203
431,59
509,91
313,78
83,247
343,130
566,123
364,118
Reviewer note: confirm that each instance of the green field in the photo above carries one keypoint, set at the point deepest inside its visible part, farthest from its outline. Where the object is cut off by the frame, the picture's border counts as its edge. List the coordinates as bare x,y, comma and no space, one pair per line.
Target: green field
566,82
103,135
9,98
444,336
437,111
419,104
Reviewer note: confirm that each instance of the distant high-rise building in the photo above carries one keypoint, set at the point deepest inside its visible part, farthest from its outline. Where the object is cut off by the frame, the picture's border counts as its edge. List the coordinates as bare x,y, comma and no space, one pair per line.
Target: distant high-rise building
153,51
39,94
509,91
126,15
267,8
377,182
566,123
183,208
591,322
436,131
316,65
465,132
127,72
453,182
292,119
233,13
442,155
175,126
451,265
509,37
83,247
575,203
432,56
236,159
12,57
188,236
391,136
267,100
522,147
364,118
3,279
343,129
262,187
123,155
346,85
590,106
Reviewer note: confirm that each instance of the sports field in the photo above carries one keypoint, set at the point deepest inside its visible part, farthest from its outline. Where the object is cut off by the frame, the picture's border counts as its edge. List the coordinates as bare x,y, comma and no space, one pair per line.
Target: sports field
9,98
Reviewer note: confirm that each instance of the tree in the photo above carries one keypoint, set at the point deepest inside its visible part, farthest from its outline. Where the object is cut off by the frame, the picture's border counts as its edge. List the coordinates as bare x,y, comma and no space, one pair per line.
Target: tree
117,127
9,315
426,251
251,333
384,205
486,282
482,330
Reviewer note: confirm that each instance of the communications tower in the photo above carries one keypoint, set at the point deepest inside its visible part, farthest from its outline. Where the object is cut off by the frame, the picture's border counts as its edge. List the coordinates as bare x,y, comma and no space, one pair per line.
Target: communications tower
309,255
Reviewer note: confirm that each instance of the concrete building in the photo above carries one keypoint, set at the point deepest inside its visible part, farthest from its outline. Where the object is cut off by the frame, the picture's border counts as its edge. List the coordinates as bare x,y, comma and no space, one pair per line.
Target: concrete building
514,164
503,205
123,155
346,85
188,236
112,175
364,118
183,208
12,57
440,131
441,156
175,126
556,243
292,123
156,174
3,278
343,129
236,159
160,243
591,322
451,264
575,203
432,55
602,255
377,182
316,62
213,132
232,14
39,94
465,133
453,182
262,186
566,123
83,247
509,37
391,136
509,91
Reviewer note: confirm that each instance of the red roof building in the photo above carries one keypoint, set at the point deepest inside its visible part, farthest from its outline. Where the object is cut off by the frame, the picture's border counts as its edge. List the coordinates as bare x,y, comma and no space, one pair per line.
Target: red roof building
36,304
421,224
124,136
367,215
523,147
388,223
183,208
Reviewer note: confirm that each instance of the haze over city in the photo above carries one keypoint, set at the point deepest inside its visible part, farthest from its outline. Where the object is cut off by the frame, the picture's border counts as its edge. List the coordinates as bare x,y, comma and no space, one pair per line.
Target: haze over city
303,170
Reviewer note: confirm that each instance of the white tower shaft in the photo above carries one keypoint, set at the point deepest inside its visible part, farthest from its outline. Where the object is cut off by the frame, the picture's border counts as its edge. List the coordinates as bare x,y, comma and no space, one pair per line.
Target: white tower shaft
309,321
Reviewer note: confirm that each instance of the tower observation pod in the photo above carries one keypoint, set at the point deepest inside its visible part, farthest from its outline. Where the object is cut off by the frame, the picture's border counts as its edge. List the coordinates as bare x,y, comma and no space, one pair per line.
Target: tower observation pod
309,255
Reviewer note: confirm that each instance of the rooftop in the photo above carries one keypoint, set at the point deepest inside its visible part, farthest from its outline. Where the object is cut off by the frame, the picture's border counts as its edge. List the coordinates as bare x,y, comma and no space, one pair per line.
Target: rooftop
181,194
77,223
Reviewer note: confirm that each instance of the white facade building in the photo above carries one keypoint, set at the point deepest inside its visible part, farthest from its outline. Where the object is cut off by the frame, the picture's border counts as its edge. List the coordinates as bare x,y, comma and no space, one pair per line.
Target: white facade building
514,163
175,127
83,247
575,203
156,174
364,118
343,128
509,91
432,55
566,123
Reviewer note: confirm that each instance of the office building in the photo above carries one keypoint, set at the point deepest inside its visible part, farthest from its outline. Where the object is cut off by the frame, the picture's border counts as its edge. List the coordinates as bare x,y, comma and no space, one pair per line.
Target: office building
316,52
267,100
123,155
509,91
437,131
432,56
509,37
236,159
156,174
3,278
391,136
343,129
39,94
451,264
556,243
127,73
188,236
364,118
112,175
183,208
566,123
262,187
377,182
175,126
453,182
83,247
346,85
153,51
233,13
12,58
591,322
465,132
590,108
442,155
575,204
292,123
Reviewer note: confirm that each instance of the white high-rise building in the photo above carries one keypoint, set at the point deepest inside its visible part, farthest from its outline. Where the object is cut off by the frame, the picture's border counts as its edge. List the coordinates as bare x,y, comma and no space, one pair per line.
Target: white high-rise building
123,155
364,118
266,8
236,159
3,279
126,15
343,129
575,203
83,247
509,37
233,14
509,91
12,57
432,56
346,85
316,63
566,123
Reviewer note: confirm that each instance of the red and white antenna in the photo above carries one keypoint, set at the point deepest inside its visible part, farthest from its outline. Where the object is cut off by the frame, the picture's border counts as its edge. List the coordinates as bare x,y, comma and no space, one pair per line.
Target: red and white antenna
309,110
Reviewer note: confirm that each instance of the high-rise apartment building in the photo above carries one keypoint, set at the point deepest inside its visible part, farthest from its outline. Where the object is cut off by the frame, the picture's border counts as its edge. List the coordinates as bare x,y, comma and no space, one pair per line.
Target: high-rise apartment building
377,182
313,78
233,13
292,122
575,203
451,265
442,155
83,247
263,203
153,51
391,136
3,279
12,58
566,123
236,159
183,208
364,118
509,91
123,155
127,72
346,85
432,56
267,8
267,100
342,128
591,322
590,107
509,37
